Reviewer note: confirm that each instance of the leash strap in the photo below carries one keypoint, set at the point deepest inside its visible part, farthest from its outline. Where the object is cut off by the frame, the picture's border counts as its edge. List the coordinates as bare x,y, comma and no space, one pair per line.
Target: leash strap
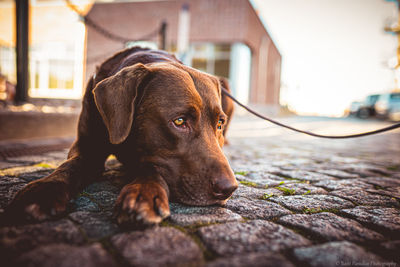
385,129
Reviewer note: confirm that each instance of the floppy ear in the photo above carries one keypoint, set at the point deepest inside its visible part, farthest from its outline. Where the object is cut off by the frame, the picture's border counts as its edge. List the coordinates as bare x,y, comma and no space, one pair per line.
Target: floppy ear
115,99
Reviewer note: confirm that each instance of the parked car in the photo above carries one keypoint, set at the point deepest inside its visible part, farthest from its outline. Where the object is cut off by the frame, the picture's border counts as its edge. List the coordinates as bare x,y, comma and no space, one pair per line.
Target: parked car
387,106
367,108
364,109
394,113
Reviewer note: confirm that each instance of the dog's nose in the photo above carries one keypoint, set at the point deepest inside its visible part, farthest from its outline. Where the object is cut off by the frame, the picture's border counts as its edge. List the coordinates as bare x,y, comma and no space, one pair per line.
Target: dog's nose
224,187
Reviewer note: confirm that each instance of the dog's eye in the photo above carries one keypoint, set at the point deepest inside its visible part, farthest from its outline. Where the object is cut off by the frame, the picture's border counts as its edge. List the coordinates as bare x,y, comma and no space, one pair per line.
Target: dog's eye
179,122
220,123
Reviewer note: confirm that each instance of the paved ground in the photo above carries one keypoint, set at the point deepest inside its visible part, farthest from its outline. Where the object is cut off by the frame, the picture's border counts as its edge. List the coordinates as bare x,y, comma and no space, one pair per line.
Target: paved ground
301,201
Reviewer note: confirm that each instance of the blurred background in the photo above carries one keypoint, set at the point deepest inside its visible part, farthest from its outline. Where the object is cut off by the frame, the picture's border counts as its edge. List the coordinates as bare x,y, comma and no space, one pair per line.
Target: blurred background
329,58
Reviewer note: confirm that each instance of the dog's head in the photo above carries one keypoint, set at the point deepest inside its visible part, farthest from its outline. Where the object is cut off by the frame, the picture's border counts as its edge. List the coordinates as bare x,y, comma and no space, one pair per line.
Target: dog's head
170,116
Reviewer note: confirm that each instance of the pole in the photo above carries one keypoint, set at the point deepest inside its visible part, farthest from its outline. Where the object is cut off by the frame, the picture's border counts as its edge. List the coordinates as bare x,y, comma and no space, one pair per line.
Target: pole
183,33
163,35
22,22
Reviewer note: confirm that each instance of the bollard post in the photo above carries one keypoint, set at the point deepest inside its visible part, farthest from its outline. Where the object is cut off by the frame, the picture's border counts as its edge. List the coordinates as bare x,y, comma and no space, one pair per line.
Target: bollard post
22,46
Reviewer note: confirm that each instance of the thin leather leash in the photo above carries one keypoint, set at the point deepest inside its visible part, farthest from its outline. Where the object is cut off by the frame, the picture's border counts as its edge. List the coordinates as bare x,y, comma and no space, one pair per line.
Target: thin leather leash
385,129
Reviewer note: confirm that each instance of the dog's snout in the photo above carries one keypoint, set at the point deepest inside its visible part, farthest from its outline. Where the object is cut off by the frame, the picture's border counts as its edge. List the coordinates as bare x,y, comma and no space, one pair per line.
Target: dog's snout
223,187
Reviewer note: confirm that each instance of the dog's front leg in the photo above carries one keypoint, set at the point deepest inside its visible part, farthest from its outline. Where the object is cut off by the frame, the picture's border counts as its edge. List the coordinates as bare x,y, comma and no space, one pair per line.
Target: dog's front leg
49,196
143,202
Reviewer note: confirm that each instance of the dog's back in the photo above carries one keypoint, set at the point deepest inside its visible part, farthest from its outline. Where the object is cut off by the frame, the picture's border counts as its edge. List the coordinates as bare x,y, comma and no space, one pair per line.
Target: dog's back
129,57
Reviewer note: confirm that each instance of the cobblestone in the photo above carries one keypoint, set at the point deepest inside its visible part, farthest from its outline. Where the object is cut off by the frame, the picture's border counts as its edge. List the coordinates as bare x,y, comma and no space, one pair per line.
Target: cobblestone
383,219
82,203
191,216
305,175
95,225
104,199
253,236
254,260
383,181
256,208
164,246
63,255
17,239
331,227
8,192
336,254
300,202
390,249
312,203
261,179
362,197
339,174
342,184
10,180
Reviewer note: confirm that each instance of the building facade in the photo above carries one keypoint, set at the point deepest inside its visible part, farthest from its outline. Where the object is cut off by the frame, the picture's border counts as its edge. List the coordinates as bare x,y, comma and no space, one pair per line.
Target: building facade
225,38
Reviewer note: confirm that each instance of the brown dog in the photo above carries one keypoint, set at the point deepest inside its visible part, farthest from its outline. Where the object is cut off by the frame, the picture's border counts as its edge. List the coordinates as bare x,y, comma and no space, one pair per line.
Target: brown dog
162,120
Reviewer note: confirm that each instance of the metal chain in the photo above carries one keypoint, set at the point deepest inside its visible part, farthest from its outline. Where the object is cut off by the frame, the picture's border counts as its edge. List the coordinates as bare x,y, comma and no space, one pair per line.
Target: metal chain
106,33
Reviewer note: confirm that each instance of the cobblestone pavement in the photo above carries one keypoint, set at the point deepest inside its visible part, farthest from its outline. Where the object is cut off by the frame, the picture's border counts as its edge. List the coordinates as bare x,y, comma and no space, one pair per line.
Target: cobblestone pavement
301,202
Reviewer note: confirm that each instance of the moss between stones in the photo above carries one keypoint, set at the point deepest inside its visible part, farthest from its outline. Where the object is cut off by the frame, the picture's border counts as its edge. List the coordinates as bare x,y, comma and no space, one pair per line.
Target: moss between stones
319,210
393,168
85,194
77,225
244,173
267,196
191,232
118,258
45,165
286,191
248,183
377,187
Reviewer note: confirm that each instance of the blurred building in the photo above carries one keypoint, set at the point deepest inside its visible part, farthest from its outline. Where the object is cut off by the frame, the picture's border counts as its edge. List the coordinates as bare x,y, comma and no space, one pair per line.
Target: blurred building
56,48
226,38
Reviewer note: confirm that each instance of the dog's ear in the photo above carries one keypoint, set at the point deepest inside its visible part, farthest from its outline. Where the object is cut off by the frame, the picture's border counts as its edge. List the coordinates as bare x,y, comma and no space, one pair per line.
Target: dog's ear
115,99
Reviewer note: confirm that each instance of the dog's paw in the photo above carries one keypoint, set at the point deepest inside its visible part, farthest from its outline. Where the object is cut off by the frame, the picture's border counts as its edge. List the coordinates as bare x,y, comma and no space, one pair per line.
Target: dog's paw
141,205
39,200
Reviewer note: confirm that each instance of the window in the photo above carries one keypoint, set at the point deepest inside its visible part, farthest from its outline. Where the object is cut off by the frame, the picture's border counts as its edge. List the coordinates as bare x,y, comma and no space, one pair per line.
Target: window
232,61
211,58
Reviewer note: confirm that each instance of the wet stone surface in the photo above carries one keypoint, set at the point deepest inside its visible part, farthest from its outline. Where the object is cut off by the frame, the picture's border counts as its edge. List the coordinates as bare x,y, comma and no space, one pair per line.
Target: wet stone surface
300,202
